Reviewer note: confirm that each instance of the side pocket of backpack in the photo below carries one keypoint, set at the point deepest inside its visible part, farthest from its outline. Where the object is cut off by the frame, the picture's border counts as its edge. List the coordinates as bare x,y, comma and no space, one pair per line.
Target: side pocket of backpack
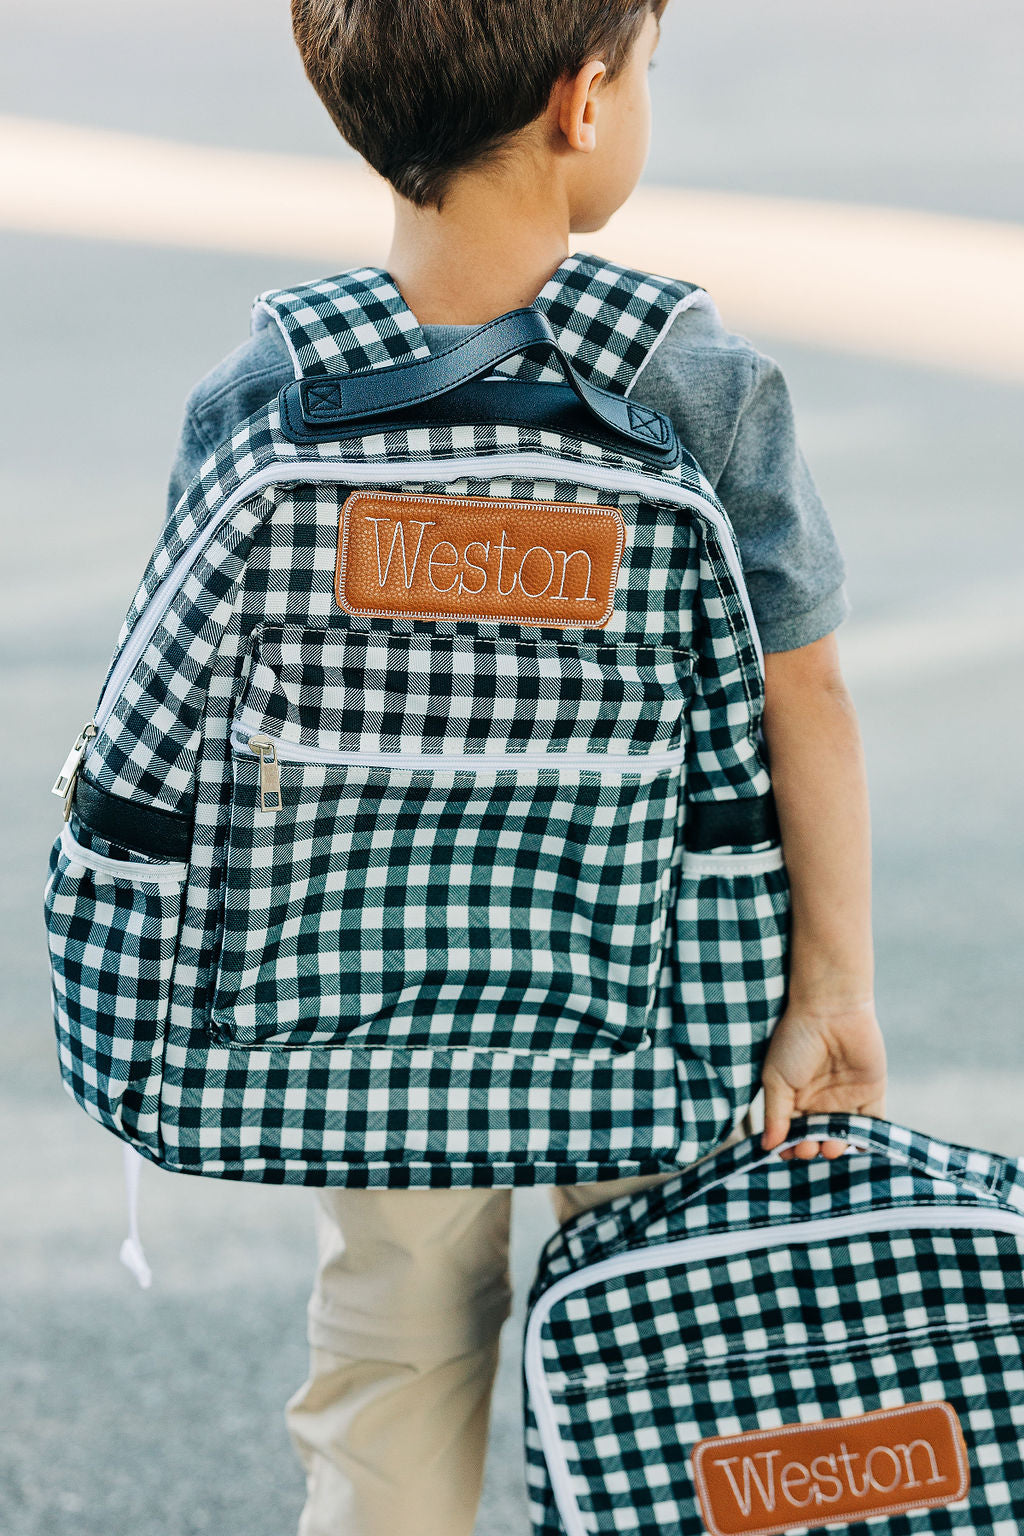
112,927
732,913
732,944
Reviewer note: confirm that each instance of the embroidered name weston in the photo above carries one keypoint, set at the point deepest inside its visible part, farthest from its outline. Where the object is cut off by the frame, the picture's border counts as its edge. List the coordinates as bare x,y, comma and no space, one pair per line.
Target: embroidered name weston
529,562
769,1481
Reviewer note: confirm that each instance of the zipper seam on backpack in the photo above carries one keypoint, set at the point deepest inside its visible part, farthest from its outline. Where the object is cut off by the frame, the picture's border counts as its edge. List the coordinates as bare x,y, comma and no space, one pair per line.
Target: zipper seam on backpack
468,762
530,465
733,1363
714,1245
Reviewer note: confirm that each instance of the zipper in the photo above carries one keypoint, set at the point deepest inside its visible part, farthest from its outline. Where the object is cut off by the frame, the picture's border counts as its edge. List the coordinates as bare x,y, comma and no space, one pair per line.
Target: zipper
272,752
696,1250
530,465
820,1351
270,771
64,784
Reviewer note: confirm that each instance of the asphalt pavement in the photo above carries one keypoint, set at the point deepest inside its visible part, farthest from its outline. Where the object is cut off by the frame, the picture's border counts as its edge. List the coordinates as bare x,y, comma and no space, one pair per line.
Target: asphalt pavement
159,1413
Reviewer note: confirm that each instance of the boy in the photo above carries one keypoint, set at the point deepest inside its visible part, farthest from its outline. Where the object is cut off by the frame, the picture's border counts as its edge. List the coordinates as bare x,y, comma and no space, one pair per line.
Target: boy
503,126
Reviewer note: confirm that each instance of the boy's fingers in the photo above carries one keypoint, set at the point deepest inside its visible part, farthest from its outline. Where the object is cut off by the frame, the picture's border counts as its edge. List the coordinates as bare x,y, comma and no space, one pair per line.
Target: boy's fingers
778,1112
806,1150
773,1135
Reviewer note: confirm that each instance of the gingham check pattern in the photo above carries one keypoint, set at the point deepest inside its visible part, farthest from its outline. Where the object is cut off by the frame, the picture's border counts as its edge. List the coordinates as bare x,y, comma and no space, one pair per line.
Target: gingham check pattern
434,692
112,947
342,326
641,1366
513,912
605,317
441,911
731,947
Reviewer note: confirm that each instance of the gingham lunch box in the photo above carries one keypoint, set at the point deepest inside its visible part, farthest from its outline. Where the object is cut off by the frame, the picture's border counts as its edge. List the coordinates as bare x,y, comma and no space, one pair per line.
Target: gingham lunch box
760,1345
422,833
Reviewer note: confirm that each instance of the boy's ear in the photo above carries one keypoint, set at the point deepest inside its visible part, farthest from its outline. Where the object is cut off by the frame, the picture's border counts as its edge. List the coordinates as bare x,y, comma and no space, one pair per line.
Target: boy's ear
577,108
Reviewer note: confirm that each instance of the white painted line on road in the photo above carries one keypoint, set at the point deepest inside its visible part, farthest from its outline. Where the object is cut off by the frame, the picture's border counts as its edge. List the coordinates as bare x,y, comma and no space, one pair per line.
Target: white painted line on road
886,282
63,180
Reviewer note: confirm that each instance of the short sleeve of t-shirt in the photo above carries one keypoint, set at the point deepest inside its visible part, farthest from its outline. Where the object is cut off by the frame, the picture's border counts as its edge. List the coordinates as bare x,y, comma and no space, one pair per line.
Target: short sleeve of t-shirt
732,408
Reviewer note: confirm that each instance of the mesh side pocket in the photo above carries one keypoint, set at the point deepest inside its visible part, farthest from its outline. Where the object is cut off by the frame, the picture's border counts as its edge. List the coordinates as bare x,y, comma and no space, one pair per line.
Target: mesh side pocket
112,927
732,943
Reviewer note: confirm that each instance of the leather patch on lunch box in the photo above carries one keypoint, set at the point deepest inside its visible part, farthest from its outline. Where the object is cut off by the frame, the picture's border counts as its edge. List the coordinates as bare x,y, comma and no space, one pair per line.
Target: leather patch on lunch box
807,1475
465,557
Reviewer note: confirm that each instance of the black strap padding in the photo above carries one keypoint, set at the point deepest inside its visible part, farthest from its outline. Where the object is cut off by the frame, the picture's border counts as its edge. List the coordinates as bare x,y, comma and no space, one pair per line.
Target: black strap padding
730,823
381,392
489,402
137,828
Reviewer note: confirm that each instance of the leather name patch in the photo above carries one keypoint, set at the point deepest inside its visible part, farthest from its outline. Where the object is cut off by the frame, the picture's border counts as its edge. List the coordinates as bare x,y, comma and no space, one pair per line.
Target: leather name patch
801,1475
463,557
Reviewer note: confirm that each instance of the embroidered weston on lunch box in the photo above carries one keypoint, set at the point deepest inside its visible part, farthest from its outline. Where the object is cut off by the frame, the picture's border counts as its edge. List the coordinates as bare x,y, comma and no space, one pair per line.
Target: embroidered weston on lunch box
762,1346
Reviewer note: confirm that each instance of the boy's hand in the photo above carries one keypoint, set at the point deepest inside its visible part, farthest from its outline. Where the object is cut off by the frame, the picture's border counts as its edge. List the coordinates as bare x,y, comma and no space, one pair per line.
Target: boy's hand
818,1062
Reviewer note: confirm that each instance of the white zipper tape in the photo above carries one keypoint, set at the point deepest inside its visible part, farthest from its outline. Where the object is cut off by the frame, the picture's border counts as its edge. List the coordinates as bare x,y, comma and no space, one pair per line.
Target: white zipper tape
529,465
136,872
606,763
715,1246
762,863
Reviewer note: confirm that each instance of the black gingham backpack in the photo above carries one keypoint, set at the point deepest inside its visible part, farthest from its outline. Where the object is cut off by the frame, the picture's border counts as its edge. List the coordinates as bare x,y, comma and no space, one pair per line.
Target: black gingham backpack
759,1346
422,834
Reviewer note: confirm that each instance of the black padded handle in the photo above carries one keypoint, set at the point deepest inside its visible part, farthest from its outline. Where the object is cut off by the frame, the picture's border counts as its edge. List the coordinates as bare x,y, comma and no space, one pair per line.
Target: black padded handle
383,392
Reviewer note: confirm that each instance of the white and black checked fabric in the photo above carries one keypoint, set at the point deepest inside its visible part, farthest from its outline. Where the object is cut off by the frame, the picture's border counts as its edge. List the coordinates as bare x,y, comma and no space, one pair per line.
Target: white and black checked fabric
628,1366
342,325
414,975
437,908
377,691
606,319
113,926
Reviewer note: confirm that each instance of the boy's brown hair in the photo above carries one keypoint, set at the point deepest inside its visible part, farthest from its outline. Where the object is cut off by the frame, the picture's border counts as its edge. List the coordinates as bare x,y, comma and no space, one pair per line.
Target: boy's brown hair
424,88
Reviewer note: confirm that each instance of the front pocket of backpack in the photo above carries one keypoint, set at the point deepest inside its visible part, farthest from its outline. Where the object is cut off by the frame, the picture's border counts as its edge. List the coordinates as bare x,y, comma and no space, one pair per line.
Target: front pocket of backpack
453,898
732,945
112,928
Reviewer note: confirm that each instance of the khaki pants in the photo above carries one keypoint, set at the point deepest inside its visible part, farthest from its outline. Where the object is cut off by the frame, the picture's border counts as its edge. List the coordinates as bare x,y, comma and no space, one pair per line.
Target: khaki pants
412,1288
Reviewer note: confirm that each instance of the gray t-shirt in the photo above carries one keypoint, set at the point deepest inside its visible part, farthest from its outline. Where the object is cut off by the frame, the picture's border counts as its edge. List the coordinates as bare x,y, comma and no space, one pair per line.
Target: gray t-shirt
732,409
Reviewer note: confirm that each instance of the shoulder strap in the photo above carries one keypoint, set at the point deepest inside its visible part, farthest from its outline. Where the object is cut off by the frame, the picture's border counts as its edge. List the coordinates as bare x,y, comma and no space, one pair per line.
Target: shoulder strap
606,319
609,319
342,324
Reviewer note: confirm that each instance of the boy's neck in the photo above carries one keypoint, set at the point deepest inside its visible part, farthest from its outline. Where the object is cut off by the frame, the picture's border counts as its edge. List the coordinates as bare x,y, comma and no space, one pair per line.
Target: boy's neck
492,248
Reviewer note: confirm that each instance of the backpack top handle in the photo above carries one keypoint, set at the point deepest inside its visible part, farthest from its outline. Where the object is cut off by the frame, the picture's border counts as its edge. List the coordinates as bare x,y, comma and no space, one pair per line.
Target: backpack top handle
385,392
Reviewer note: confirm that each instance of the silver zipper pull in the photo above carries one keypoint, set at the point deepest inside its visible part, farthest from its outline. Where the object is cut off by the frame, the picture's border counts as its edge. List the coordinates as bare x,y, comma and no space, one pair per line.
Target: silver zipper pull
270,772
64,784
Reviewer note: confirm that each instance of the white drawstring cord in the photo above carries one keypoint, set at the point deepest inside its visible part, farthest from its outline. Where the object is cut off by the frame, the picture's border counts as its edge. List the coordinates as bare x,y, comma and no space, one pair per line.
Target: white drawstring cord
132,1256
